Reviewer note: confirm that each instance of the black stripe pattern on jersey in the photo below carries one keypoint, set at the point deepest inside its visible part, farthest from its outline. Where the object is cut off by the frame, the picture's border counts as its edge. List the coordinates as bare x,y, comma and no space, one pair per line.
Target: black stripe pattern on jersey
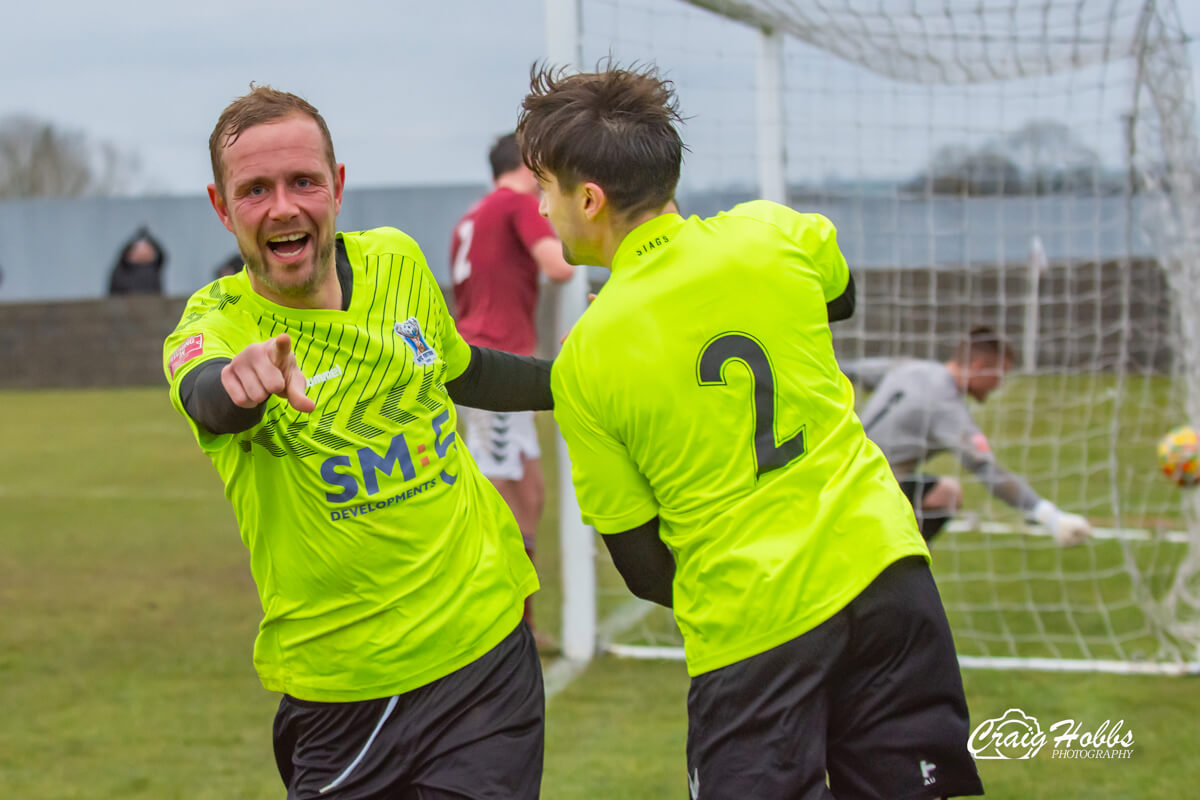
405,294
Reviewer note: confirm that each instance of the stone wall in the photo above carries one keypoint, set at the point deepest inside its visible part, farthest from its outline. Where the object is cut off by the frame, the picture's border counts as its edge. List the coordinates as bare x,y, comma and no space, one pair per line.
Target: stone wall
111,342
1091,317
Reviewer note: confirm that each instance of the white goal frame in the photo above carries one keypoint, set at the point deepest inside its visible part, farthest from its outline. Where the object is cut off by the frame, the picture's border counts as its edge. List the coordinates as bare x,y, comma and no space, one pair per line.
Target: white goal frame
583,635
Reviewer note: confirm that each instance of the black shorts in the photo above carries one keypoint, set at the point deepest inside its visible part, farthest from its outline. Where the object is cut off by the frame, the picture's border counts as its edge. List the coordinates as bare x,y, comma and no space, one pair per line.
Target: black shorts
476,733
872,699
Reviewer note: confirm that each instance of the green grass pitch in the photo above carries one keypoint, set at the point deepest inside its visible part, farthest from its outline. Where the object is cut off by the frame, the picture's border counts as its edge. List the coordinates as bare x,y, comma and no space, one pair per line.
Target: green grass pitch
127,617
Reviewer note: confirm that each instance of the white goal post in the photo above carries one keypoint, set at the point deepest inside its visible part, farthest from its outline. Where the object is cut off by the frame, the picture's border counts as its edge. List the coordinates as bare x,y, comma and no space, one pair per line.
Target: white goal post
1030,166
577,552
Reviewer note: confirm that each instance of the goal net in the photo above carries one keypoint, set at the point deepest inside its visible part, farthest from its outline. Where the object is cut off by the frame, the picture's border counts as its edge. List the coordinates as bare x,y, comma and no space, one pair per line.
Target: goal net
1029,166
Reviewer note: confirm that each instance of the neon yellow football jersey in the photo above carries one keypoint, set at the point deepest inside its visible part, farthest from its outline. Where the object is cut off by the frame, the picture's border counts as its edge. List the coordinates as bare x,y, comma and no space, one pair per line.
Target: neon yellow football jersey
701,386
383,558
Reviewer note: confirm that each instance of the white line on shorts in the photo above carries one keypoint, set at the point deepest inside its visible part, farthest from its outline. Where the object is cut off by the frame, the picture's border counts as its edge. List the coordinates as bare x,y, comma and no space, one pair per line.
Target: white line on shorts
387,712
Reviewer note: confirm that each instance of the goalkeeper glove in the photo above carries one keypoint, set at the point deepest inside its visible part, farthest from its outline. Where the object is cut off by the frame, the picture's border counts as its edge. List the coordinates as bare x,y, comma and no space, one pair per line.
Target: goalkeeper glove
1068,529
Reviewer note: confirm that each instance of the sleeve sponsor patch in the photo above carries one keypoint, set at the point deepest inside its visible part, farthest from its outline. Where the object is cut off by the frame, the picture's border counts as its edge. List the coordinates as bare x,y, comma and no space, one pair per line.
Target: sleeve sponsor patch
191,347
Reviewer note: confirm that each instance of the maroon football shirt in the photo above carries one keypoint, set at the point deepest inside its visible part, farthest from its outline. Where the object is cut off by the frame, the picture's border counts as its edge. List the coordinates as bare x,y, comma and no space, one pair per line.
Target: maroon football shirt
495,276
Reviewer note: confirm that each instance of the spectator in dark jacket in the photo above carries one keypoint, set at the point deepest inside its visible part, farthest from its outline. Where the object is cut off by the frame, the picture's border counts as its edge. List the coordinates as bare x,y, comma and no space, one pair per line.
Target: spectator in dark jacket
139,266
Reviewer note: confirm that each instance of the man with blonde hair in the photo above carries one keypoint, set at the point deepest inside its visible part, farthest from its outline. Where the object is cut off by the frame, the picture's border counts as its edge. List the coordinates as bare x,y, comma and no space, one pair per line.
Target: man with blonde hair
320,381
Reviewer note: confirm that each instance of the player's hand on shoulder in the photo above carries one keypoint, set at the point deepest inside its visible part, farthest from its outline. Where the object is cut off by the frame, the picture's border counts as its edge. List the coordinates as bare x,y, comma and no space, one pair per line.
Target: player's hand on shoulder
264,369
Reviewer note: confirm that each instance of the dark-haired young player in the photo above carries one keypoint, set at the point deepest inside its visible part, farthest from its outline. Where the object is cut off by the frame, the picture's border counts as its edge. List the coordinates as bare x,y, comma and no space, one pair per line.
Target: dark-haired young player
714,443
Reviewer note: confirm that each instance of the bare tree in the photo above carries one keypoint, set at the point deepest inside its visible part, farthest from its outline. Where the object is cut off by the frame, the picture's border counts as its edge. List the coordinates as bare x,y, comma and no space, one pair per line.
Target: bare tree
1051,157
38,159
960,170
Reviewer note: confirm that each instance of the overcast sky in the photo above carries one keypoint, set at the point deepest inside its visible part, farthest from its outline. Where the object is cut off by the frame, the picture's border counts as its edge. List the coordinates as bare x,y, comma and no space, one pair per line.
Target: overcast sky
413,91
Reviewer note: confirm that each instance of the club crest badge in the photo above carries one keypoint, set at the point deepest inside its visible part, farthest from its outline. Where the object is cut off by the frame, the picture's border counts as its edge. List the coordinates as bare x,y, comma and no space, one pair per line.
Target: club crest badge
410,329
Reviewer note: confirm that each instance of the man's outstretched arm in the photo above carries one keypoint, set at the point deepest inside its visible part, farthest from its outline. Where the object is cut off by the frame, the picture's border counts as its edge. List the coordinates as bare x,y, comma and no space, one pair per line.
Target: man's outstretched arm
228,395
976,455
500,381
207,402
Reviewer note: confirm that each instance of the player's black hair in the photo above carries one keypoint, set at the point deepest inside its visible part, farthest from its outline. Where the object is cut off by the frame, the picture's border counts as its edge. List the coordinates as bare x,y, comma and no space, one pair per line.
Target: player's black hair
614,127
505,155
985,342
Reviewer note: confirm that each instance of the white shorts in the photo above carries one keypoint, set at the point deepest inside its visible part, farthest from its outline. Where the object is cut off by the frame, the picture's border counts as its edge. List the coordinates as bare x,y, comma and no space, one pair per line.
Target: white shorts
498,439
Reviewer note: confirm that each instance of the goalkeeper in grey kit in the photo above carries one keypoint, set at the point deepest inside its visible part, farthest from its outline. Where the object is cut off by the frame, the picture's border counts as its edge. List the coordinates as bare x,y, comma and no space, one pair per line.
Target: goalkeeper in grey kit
918,410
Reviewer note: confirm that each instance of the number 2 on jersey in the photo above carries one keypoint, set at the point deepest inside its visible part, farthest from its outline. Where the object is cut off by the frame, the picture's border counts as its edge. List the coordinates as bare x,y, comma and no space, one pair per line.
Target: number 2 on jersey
745,348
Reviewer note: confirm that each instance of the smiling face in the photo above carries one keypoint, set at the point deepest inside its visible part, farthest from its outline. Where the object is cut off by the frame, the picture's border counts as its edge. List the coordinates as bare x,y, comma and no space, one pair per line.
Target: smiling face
281,199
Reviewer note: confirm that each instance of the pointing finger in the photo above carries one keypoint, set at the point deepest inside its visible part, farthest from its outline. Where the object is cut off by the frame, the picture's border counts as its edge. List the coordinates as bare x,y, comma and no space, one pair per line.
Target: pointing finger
280,350
295,391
